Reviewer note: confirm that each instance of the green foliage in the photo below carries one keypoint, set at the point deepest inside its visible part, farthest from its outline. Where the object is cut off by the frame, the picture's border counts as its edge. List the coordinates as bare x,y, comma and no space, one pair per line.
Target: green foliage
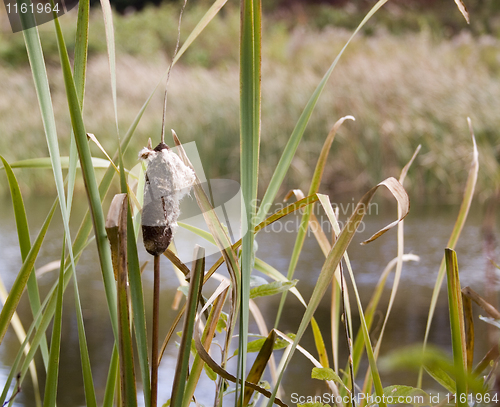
325,373
273,288
274,157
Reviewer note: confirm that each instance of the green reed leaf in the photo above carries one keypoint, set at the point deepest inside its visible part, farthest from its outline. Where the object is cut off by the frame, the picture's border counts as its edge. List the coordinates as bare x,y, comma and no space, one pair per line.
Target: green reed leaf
181,371
455,234
51,381
273,288
22,278
457,326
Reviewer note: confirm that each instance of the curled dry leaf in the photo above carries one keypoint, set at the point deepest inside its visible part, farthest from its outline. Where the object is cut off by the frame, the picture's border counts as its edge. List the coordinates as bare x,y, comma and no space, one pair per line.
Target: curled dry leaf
398,192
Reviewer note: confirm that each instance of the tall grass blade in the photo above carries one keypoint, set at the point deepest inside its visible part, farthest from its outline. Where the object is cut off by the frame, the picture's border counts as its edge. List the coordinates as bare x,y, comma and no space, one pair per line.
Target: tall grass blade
333,260
55,342
93,195
81,48
24,245
310,218
177,262
110,43
113,373
75,107
35,55
116,228
139,313
325,245
457,327
259,365
200,232
181,372
96,142
335,323
44,162
320,344
89,180
88,382
22,278
80,70
206,339
298,131
469,330
250,110
455,234
21,336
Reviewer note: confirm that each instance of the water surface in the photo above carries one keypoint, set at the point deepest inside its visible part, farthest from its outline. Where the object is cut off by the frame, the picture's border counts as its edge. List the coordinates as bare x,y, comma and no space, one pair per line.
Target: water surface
427,230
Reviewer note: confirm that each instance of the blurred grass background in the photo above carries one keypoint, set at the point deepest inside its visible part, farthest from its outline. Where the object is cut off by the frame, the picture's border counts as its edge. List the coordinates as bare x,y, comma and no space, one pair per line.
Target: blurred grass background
412,77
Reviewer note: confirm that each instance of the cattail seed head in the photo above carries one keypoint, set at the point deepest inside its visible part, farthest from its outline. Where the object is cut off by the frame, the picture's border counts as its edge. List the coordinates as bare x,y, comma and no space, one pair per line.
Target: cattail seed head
168,180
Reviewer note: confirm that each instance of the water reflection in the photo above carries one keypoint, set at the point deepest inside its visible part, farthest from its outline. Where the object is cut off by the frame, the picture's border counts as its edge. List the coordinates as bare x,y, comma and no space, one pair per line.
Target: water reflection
427,233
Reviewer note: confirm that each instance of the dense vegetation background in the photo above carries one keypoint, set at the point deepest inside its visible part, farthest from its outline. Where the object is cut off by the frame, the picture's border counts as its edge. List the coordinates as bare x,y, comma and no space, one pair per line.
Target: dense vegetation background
413,77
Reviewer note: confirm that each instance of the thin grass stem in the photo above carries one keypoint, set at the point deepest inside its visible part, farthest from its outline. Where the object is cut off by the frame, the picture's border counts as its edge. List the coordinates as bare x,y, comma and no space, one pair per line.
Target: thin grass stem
347,330
154,347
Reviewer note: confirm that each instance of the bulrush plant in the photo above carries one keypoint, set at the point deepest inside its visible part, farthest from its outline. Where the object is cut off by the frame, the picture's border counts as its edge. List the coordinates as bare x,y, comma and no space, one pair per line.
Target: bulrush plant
165,178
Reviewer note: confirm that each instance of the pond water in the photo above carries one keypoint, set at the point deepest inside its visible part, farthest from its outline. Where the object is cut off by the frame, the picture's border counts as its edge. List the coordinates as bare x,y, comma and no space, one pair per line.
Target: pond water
427,230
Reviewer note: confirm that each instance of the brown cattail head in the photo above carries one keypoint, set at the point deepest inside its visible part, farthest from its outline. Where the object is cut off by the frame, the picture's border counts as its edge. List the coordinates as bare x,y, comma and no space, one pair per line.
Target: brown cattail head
156,239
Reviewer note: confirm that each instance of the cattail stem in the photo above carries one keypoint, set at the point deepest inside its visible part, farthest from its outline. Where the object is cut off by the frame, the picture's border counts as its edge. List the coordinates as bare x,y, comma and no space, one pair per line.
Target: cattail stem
154,347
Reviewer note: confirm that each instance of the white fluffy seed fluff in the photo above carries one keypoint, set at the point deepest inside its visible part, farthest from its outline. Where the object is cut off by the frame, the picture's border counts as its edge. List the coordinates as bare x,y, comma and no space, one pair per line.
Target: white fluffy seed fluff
168,180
